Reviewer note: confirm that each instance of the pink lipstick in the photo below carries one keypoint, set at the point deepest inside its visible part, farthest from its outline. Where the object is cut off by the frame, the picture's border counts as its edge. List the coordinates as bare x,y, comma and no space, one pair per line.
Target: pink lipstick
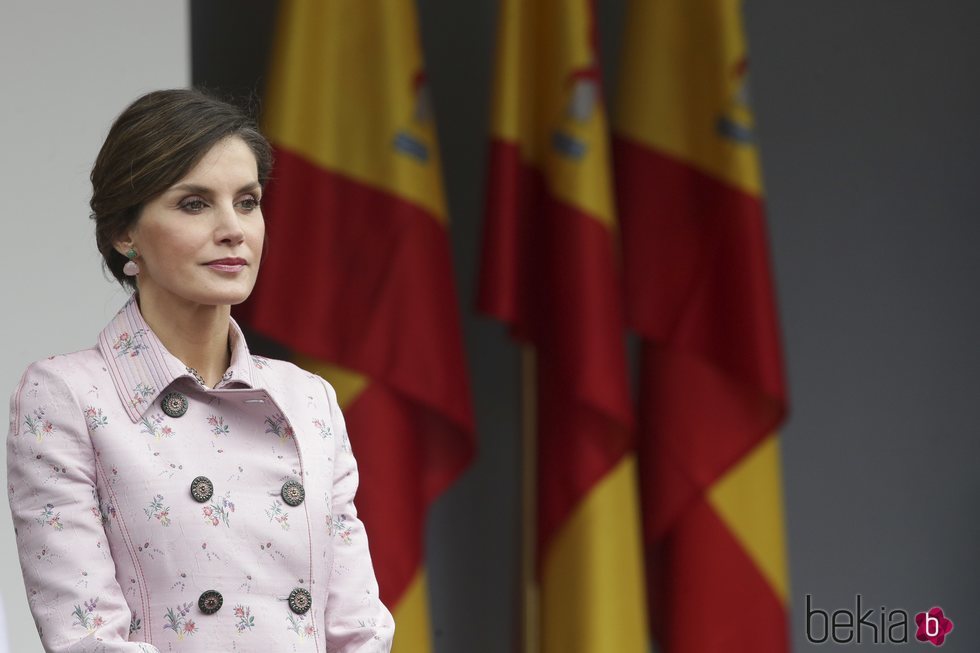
227,264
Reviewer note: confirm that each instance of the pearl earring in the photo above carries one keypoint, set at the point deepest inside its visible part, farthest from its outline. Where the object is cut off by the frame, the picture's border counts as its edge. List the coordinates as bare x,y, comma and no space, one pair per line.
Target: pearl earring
131,268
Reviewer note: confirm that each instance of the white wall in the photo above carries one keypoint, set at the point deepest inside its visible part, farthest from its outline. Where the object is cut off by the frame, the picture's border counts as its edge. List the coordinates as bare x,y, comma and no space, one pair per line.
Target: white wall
67,68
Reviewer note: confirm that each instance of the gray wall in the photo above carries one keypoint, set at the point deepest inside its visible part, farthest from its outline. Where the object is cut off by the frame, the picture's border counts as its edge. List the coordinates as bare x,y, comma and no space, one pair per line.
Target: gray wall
867,117
870,140
66,70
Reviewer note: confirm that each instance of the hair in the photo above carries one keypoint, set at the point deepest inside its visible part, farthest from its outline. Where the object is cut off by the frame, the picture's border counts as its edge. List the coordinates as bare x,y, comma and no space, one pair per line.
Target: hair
152,145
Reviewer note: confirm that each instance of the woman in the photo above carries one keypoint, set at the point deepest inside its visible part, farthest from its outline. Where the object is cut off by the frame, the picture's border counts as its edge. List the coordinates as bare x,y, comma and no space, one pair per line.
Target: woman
170,491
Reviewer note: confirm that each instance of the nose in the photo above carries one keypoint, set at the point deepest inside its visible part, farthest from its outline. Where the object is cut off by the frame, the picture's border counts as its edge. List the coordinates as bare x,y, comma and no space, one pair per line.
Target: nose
228,229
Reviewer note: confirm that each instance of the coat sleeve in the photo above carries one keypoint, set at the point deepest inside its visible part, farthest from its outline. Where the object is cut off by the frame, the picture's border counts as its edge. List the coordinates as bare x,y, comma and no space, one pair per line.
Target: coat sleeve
68,569
355,618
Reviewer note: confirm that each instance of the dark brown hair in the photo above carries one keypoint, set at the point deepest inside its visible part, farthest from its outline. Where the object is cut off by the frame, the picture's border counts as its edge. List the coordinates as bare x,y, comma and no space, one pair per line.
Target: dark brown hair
151,146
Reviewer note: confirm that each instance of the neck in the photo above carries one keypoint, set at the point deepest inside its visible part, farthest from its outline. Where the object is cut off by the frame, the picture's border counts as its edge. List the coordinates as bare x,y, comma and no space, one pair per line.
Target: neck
196,334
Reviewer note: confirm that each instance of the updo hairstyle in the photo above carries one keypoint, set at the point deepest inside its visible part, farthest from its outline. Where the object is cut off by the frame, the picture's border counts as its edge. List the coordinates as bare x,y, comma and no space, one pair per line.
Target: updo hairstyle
151,146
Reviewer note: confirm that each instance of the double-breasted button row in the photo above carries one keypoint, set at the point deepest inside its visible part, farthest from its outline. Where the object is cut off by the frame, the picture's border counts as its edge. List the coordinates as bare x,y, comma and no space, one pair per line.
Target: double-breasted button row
174,404
292,492
202,489
210,602
299,601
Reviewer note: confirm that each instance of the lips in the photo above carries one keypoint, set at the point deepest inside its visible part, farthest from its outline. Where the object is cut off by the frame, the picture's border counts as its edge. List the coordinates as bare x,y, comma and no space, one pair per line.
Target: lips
228,261
229,265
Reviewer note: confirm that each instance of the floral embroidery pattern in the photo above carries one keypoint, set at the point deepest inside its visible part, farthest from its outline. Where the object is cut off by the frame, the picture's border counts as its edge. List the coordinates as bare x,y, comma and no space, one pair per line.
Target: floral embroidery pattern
218,426
157,509
140,393
130,345
272,551
325,431
95,418
259,362
37,425
50,517
181,582
177,621
371,623
197,376
277,514
211,555
153,426
340,528
43,555
135,623
86,616
245,619
277,425
200,379
297,625
219,511
105,513
147,548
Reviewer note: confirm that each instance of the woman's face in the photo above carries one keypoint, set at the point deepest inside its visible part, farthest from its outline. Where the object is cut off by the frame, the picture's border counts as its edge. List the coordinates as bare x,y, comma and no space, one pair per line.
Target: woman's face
200,240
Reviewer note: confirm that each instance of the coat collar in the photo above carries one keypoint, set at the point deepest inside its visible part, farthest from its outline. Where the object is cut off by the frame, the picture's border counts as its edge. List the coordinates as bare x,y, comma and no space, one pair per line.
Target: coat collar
142,368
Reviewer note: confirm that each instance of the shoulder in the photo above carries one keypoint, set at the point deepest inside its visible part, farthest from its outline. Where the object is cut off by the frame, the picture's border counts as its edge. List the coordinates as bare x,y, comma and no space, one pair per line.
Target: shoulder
64,370
289,376
50,386
296,388
79,361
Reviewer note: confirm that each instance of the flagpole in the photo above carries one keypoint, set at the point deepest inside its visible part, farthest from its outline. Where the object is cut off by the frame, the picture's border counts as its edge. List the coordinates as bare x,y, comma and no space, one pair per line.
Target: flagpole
530,588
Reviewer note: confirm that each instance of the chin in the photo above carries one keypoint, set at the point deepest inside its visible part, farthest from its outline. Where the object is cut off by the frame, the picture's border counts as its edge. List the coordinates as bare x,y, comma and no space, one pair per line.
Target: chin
224,296
232,299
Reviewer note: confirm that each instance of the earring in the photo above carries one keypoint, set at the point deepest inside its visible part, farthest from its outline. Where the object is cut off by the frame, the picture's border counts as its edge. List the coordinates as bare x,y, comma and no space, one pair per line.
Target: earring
131,268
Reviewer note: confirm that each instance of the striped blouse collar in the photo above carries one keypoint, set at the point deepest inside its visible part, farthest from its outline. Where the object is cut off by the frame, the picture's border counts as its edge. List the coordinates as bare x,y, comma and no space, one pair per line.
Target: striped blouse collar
142,368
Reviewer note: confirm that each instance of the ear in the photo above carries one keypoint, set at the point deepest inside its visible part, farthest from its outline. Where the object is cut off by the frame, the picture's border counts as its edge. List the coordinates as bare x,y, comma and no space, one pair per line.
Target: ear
126,239
123,244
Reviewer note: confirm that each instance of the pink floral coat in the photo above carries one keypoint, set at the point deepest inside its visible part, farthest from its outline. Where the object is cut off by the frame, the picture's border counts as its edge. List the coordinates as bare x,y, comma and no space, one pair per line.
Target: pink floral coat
117,553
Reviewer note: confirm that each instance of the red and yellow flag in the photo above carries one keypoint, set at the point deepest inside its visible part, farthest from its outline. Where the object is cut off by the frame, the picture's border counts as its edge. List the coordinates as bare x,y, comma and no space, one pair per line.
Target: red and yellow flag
550,270
357,280
700,294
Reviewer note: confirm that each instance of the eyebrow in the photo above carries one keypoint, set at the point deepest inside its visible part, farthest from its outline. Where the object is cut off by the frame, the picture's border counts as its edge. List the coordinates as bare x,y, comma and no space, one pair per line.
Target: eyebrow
204,190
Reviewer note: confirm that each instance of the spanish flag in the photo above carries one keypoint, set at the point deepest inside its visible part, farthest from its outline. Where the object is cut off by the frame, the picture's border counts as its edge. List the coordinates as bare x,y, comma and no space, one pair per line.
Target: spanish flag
550,271
700,294
357,281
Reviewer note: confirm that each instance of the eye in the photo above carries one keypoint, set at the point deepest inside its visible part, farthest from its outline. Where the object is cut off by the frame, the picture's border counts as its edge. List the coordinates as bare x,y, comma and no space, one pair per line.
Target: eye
193,205
249,203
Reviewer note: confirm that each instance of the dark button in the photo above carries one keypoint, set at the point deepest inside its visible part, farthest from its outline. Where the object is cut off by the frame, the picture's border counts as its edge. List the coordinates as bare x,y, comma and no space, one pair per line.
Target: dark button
293,493
174,404
210,602
300,601
202,488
